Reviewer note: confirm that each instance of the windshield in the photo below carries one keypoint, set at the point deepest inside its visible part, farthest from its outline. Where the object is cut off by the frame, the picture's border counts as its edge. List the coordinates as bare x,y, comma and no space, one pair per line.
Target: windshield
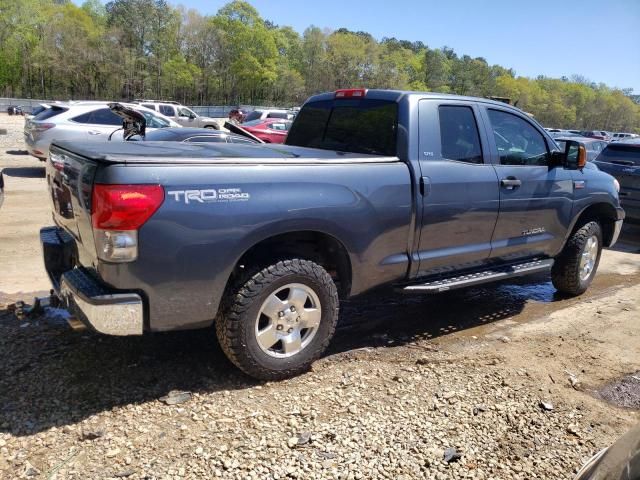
620,153
153,121
251,123
353,125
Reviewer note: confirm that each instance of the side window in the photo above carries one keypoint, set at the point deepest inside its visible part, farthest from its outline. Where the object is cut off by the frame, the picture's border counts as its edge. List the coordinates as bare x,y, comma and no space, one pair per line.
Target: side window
104,116
84,118
277,126
167,110
185,112
459,134
150,106
518,142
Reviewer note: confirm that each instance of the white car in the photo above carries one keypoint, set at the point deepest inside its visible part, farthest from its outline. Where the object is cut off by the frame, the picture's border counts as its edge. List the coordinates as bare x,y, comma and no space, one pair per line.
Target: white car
82,121
180,114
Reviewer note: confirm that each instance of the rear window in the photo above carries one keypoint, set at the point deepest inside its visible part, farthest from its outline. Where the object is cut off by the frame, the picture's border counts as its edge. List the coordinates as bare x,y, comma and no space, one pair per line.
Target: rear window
50,112
353,125
620,153
255,115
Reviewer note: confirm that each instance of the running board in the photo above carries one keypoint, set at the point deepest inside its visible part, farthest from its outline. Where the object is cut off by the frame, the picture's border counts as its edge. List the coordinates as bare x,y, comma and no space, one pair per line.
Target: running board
484,276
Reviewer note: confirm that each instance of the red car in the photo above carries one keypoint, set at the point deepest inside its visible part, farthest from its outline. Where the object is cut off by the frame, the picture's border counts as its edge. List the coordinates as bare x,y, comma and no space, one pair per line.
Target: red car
269,130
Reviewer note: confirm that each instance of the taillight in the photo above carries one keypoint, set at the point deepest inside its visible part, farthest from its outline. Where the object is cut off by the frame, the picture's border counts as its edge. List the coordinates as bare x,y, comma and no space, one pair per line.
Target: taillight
41,127
351,93
117,212
124,207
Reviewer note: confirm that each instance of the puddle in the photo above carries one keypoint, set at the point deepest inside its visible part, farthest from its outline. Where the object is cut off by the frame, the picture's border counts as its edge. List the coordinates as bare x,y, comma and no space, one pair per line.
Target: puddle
624,392
539,292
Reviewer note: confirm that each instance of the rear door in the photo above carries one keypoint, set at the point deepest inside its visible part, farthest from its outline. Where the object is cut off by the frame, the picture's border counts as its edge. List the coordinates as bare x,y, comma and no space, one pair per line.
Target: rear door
459,187
535,200
99,124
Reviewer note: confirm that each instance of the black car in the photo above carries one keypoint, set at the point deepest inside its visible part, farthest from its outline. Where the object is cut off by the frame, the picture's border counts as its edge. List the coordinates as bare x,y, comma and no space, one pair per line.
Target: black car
15,110
622,160
191,135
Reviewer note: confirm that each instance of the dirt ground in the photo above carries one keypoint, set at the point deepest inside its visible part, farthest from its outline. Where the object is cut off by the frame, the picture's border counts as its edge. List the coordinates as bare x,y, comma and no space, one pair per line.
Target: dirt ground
405,379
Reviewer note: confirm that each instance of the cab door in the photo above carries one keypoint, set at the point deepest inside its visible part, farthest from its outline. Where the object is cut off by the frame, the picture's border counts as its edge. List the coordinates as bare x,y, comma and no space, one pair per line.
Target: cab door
536,198
459,187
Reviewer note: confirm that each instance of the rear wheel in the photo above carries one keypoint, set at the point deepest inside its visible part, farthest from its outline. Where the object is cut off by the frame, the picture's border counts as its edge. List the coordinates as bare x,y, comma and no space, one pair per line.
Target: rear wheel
212,127
575,267
280,320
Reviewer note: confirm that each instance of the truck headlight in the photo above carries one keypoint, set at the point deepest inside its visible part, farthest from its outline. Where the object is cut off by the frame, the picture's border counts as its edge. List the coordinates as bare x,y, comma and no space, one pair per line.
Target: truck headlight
616,185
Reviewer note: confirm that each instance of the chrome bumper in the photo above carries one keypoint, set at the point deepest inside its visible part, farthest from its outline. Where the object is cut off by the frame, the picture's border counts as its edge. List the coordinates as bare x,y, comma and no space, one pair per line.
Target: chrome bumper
108,311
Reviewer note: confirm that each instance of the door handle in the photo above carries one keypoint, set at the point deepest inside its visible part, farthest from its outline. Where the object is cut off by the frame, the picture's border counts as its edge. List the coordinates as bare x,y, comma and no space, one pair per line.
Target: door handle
510,183
94,132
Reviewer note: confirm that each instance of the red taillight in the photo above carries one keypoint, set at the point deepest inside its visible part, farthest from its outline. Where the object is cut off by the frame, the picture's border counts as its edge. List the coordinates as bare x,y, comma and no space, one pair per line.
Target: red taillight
124,207
41,127
351,93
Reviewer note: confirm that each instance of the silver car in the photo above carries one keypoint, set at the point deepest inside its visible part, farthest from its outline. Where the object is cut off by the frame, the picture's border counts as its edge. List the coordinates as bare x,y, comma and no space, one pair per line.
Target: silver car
180,114
82,121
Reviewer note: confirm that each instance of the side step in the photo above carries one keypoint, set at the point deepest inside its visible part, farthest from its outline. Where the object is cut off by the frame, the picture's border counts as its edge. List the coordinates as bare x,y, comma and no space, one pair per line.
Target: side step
483,276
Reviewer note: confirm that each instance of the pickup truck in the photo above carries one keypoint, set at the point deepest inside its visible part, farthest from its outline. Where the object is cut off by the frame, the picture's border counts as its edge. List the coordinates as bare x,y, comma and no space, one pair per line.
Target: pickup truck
424,192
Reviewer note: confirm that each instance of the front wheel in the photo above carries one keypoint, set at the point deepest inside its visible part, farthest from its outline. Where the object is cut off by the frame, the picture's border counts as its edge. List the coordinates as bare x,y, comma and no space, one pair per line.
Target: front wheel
575,267
280,320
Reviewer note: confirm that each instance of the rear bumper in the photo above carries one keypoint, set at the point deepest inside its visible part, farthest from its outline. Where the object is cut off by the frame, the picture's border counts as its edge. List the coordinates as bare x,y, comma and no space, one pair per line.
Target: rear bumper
108,311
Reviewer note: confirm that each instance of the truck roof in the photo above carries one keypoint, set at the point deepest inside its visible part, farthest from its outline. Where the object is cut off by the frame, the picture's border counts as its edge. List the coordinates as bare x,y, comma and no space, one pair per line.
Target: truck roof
398,95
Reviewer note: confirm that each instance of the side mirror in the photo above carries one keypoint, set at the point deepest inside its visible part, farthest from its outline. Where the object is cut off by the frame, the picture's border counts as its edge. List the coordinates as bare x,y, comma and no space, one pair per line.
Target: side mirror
575,155
192,116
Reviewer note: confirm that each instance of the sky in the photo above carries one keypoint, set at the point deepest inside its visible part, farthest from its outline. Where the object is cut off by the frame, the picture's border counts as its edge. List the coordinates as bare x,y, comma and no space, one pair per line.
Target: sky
599,40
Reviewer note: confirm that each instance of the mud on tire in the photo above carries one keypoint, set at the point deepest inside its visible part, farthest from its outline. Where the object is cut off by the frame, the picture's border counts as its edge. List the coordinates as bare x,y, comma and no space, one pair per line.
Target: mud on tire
568,272
238,325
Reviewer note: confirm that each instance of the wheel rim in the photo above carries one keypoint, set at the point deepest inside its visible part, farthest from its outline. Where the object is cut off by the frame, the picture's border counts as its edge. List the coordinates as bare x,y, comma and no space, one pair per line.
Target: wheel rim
589,257
288,320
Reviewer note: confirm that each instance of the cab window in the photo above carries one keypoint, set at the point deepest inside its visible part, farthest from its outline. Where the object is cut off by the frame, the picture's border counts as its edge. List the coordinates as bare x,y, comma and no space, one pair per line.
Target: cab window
167,110
459,134
518,142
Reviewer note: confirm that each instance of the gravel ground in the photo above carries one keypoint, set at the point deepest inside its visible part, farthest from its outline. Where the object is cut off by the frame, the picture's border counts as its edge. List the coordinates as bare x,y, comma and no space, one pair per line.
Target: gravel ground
498,382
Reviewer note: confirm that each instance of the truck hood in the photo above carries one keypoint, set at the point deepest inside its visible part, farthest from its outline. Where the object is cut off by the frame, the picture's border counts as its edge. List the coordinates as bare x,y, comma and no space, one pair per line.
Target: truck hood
176,152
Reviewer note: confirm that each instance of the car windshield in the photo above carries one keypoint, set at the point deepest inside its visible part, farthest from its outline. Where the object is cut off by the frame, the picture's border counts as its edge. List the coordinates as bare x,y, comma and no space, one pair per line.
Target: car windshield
348,125
252,123
153,121
256,114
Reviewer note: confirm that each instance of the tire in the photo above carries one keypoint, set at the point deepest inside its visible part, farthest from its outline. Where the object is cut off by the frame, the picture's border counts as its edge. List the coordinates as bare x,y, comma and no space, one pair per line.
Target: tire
575,267
212,127
260,311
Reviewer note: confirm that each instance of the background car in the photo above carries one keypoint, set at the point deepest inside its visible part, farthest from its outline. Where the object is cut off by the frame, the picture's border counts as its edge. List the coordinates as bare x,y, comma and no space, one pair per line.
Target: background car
270,130
192,135
87,121
622,135
269,113
15,110
592,145
599,134
622,160
180,114
36,110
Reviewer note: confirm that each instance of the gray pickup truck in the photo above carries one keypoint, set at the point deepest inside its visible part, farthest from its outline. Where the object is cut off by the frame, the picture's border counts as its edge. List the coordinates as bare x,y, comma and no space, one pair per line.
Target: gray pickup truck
425,192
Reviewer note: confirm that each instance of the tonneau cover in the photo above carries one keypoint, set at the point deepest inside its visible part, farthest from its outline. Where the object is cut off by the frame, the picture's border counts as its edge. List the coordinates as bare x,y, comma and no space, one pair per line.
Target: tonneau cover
177,152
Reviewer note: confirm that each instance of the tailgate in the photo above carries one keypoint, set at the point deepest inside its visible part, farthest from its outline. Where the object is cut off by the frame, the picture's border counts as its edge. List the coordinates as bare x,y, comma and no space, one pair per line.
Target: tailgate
70,182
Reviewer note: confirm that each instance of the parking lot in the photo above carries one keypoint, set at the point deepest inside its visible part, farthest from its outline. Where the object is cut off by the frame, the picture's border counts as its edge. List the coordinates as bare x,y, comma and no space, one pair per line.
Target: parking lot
520,382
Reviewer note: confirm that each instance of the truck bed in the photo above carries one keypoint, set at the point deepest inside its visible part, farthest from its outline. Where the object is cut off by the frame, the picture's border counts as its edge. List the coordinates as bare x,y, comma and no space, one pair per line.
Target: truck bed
220,153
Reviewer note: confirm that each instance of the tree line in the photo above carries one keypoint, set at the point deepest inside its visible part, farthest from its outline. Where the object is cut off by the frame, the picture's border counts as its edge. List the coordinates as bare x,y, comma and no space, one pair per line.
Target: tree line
130,49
